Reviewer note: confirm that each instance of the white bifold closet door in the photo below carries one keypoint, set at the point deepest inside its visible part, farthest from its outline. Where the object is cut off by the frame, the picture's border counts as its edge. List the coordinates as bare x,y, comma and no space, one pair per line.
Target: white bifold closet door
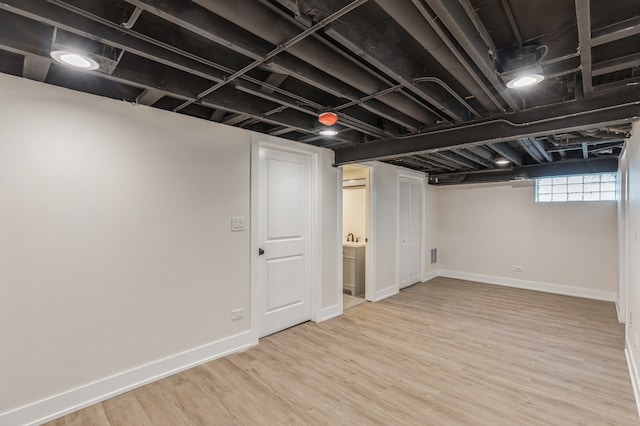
409,232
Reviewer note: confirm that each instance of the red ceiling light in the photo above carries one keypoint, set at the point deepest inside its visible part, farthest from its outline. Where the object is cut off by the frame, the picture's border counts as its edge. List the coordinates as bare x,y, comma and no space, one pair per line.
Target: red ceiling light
328,118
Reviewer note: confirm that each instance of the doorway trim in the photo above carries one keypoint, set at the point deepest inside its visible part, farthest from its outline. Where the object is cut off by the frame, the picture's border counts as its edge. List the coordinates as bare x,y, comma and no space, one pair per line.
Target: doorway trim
370,250
315,239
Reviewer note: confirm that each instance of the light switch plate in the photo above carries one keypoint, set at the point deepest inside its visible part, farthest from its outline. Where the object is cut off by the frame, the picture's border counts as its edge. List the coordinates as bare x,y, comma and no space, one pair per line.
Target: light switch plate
237,223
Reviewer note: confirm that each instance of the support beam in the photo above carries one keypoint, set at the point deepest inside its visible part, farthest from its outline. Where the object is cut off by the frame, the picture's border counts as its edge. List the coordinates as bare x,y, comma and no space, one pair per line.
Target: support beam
583,17
275,79
618,64
458,159
505,150
585,151
35,68
540,147
475,158
621,108
149,97
617,31
527,146
218,115
599,165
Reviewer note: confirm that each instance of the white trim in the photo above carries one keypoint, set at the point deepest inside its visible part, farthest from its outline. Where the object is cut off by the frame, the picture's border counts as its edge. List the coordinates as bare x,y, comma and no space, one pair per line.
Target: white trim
426,276
339,247
331,311
566,290
72,400
385,292
633,373
370,251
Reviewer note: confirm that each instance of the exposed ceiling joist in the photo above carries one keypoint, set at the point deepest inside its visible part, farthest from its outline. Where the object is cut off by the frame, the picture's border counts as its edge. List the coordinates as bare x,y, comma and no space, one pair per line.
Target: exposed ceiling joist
583,16
561,118
149,96
617,31
617,64
35,68
560,168
505,150
457,21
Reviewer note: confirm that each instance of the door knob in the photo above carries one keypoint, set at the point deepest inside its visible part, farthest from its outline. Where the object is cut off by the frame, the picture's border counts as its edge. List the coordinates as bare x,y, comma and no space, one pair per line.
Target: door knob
260,252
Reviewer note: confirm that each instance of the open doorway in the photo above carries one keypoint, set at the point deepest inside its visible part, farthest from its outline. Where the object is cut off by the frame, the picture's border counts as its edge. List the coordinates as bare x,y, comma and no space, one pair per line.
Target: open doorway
356,191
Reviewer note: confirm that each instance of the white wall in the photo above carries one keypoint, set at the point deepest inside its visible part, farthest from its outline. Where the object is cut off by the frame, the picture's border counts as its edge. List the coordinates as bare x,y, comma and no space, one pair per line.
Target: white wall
117,260
633,254
354,212
431,230
486,230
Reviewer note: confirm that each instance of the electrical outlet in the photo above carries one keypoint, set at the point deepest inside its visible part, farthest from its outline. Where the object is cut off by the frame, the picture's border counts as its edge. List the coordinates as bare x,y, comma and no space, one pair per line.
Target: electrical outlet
237,314
517,268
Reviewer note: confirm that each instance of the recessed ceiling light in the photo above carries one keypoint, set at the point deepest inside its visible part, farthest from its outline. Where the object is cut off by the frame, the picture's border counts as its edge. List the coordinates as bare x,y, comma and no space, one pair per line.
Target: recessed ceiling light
75,60
328,132
523,81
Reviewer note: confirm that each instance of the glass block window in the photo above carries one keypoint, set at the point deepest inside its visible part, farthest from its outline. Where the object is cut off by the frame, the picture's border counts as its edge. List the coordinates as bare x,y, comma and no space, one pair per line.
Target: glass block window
591,187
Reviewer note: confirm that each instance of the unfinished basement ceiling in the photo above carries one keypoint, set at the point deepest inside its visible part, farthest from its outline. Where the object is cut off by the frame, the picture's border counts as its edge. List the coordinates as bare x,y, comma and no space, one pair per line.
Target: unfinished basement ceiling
417,83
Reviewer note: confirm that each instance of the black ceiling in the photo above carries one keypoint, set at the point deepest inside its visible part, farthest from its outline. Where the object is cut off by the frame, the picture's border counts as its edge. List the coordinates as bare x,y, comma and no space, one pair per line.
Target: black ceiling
419,83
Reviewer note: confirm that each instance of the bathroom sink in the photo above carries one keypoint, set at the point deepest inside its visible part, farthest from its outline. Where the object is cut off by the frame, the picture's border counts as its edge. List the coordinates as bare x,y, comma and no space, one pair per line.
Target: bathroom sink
354,244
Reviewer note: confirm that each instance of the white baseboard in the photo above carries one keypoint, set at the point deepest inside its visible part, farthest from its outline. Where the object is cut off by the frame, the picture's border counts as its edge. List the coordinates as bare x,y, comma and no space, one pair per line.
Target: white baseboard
566,290
429,275
633,373
384,293
75,399
329,312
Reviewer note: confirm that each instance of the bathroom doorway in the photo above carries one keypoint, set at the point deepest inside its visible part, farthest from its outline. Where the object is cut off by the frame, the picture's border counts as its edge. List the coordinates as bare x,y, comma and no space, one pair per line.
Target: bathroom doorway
356,221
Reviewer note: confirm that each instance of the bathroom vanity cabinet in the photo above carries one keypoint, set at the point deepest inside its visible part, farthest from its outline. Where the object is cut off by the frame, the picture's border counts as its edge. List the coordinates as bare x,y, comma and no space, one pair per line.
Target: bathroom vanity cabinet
353,258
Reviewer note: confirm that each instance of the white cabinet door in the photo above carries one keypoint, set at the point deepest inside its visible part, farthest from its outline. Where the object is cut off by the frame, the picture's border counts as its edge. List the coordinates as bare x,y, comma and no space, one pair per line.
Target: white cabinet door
284,232
409,232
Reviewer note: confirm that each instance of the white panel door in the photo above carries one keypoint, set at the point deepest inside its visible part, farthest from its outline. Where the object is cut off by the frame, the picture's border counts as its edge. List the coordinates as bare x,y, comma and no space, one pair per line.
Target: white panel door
409,232
284,232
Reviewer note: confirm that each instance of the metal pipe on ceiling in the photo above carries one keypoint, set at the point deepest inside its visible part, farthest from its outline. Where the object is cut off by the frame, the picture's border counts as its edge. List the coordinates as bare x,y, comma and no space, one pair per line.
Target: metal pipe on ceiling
114,38
281,48
404,13
271,27
456,20
431,19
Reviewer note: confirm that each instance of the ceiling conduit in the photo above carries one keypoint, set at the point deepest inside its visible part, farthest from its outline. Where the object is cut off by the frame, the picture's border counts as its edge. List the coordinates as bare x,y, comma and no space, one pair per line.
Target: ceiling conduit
454,17
405,14
275,29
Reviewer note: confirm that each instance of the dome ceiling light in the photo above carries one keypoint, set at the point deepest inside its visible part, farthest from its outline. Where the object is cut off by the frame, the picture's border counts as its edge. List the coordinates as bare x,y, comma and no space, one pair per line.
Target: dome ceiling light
74,60
524,70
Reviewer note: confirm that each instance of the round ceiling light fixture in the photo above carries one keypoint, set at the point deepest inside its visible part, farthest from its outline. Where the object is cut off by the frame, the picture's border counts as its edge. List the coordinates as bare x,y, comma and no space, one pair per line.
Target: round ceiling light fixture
328,132
328,118
74,60
525,80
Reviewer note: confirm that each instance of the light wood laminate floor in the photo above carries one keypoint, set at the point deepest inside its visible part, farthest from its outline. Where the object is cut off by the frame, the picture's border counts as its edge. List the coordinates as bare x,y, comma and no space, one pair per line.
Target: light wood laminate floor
446,352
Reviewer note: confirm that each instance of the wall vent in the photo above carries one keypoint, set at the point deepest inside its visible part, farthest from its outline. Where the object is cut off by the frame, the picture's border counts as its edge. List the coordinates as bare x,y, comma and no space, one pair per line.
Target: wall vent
434,255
